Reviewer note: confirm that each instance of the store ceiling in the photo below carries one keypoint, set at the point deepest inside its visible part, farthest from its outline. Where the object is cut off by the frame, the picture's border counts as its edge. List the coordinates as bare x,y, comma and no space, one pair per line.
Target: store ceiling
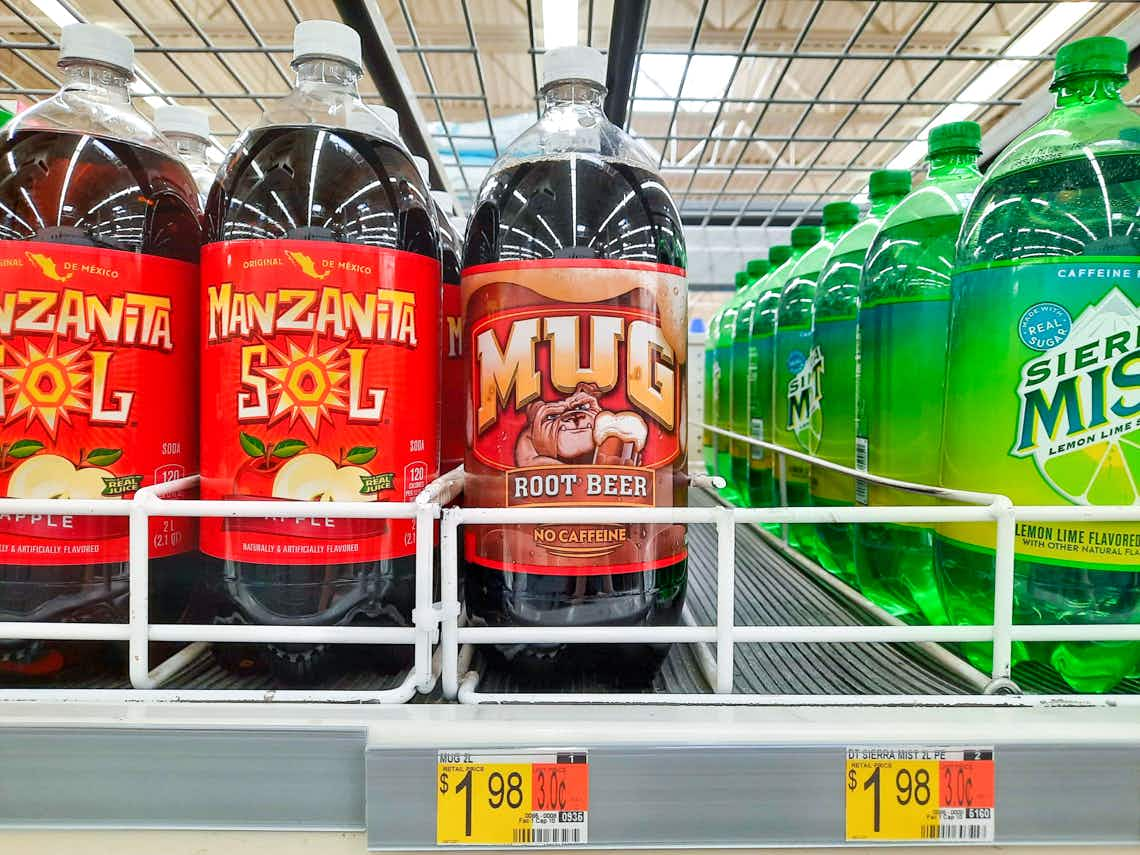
757,112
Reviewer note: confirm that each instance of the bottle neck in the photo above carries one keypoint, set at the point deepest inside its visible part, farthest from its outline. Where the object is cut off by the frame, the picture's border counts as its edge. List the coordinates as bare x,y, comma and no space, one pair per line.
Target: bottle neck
189,148
881,205
579,93
97,81
321,75
954,164
1085,89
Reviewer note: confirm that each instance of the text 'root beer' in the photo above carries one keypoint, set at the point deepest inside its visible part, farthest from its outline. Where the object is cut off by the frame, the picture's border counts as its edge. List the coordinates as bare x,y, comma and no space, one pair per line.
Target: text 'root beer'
321,330
98,278
574,300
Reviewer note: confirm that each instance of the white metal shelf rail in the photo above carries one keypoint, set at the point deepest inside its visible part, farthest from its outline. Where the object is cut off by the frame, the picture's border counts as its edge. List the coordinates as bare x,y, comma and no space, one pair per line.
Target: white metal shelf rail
725,633
139,631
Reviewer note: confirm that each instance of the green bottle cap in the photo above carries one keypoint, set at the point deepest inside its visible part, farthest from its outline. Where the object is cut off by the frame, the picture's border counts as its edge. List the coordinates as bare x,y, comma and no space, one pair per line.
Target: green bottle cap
889,182
777,255
741,279
757,267
1100,55
954,136
839,214
805,237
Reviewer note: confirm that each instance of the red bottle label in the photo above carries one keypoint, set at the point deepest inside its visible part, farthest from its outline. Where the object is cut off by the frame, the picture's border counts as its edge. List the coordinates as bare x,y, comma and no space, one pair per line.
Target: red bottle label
454,435
97,394
577,398
320,377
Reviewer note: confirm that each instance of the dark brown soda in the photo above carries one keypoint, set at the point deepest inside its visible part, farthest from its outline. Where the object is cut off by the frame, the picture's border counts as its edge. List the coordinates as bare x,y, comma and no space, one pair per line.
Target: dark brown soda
363,190
79,190
589,209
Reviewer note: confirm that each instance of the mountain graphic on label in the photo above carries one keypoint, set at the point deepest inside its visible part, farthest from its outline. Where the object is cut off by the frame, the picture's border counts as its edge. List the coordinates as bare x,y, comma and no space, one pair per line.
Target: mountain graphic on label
46,264
1079,413
306,265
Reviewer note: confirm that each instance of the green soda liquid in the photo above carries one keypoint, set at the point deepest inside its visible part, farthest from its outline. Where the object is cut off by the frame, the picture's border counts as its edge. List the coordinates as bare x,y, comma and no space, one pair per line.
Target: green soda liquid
1043,383
708,438
722,371
903,319
740,451
798,371
761,360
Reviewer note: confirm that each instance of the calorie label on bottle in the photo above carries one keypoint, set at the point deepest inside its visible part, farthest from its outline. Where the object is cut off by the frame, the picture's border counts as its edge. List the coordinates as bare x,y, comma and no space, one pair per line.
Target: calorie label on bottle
577,398
97,394
320,383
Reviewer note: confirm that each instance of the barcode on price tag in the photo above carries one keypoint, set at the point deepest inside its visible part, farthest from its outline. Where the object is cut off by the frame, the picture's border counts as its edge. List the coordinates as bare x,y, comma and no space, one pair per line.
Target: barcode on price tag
512,798
927,793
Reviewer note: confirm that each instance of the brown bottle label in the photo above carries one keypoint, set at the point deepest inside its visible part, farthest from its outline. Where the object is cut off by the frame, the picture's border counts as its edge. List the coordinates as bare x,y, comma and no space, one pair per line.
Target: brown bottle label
576,398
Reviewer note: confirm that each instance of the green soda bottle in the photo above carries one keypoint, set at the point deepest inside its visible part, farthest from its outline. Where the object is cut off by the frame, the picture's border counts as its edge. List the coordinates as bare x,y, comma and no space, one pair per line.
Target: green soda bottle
904,314
708,443
1043,382
836,315
741,389
798,367
722,376
761,359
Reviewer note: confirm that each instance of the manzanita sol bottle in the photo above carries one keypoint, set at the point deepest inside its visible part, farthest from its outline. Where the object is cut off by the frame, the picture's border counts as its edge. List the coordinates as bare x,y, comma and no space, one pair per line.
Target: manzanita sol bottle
99,238
320,380
575,294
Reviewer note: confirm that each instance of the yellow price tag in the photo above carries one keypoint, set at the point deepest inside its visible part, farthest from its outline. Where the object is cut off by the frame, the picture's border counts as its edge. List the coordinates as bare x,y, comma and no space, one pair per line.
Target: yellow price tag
503,798
932,793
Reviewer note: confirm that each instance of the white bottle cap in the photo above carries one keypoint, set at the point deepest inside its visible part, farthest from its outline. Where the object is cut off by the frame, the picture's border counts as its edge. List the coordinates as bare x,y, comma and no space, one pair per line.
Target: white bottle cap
388,116
188,121
444,200
574,62
327,39
97,44
422,168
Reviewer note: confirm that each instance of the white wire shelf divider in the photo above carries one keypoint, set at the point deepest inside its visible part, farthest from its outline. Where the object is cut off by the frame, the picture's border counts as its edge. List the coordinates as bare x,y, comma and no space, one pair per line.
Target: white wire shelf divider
138,631
717,663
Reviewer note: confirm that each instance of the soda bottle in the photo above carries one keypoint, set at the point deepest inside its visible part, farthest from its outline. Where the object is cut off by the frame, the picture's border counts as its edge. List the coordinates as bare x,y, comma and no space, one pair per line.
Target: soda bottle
1042,398
100,229
836,313
453,435
708,438
903,316
722,372
741,389
188,130
576,323
321,325
761,359
797,364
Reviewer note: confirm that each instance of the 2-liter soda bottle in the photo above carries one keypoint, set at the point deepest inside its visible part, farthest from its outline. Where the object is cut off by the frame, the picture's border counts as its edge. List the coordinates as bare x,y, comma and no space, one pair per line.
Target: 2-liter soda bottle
99,237
723,374
321,325
741,452
836,318
761,362
1043,385
188,130
576,326
903,320
708,438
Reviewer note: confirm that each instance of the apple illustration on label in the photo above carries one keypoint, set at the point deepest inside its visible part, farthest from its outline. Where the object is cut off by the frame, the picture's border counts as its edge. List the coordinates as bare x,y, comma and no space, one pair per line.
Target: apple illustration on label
315,478
49,476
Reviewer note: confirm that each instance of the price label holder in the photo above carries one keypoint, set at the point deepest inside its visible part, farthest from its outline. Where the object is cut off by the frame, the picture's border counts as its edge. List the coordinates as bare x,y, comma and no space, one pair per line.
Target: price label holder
929,793
512,797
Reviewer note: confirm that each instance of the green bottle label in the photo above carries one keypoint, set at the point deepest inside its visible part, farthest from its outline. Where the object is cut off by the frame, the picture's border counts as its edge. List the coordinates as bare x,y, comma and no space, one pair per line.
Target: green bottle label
1043,402
798,371
902,361
835,341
